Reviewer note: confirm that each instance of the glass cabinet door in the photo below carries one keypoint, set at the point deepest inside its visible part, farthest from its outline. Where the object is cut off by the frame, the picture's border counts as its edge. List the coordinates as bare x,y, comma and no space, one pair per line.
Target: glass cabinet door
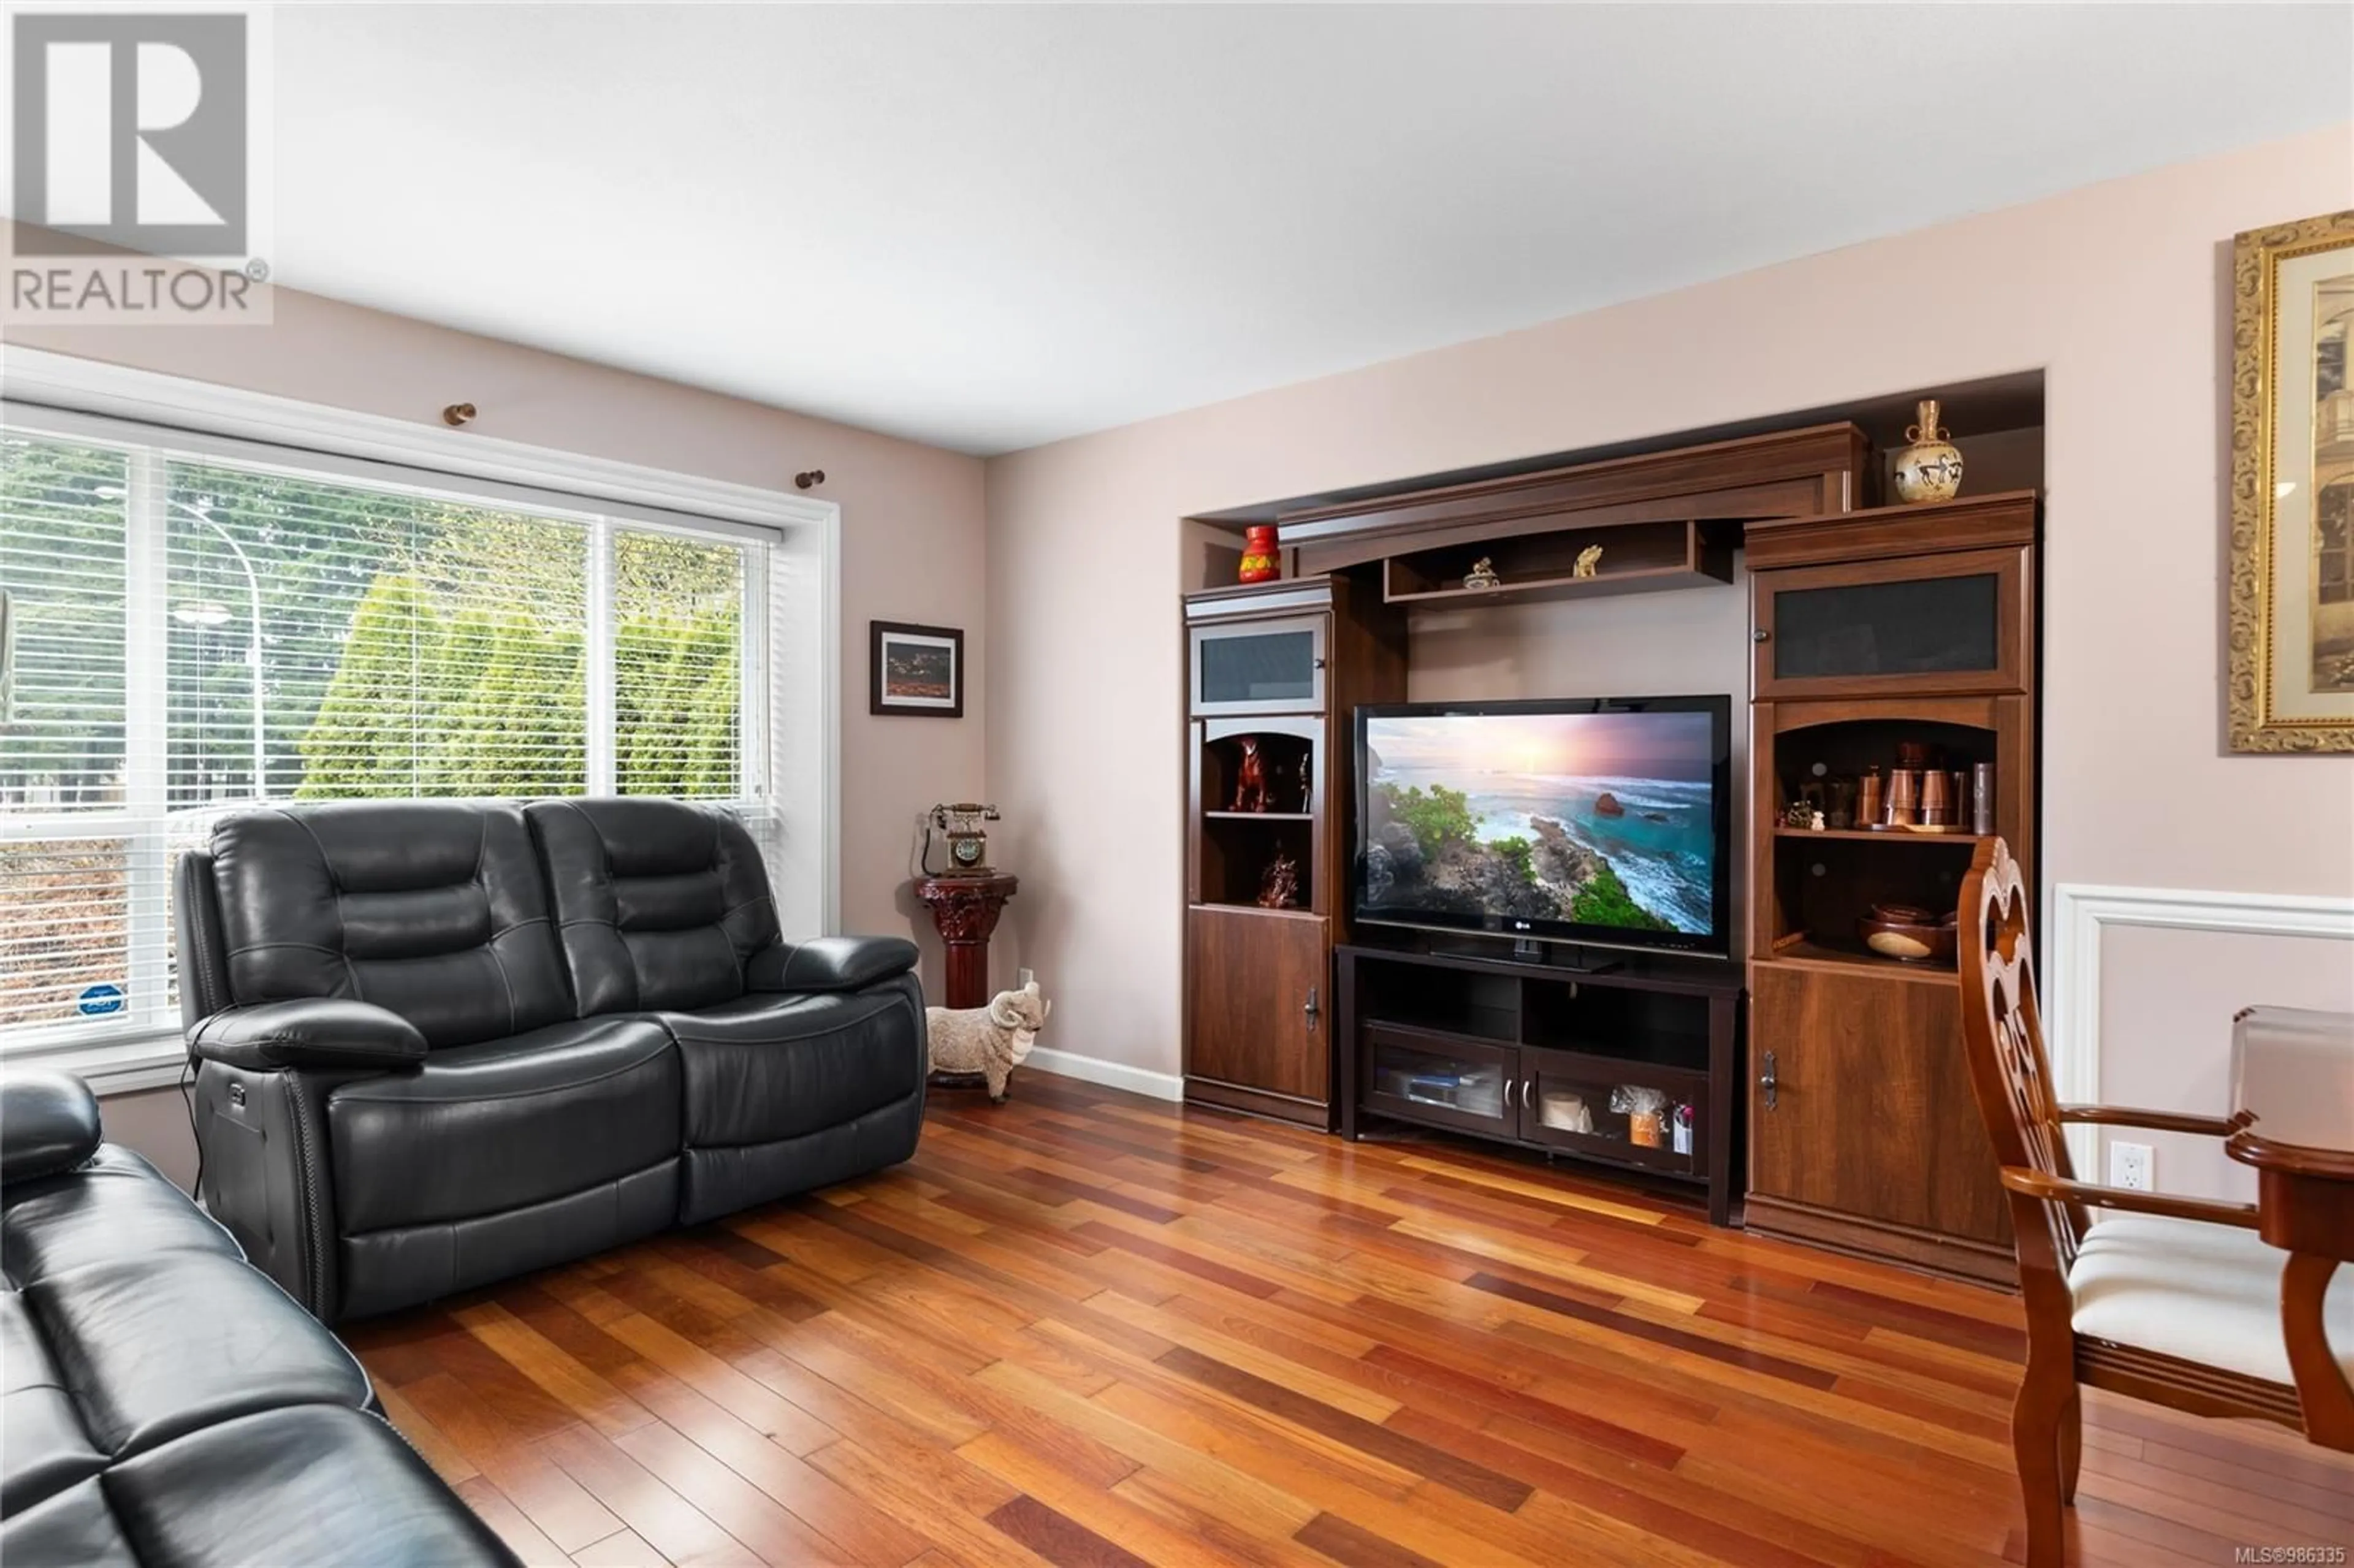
1948,623
1259,666
1446,1082
1626,1111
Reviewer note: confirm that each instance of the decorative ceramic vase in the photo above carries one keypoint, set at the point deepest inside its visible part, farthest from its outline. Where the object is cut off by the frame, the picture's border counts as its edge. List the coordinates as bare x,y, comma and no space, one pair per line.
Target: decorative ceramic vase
1930,469
1259,562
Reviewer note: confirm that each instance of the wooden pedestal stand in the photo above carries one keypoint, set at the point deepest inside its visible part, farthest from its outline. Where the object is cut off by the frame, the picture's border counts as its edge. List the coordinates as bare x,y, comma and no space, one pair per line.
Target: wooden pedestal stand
965,911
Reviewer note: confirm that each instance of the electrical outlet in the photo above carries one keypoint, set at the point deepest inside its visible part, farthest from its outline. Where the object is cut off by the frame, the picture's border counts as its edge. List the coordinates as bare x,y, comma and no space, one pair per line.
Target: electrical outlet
2133,1166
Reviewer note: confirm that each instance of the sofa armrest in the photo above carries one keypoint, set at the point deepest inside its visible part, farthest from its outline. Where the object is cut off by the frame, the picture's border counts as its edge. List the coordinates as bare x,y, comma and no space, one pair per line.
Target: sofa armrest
829,963
313,1032
48,1123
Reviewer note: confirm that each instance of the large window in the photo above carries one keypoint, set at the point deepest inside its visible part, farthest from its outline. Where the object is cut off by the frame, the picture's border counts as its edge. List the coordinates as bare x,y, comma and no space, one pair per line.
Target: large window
193,634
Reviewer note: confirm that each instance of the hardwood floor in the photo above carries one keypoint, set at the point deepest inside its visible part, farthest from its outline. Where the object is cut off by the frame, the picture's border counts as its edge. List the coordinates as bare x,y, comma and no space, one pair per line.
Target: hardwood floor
1088,1328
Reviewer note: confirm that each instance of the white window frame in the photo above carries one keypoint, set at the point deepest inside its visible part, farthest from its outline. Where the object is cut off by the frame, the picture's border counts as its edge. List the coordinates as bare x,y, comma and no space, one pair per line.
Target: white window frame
795,606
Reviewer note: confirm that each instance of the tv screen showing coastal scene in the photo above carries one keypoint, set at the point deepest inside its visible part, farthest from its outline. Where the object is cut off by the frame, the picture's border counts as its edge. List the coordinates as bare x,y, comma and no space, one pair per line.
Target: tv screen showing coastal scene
1585,818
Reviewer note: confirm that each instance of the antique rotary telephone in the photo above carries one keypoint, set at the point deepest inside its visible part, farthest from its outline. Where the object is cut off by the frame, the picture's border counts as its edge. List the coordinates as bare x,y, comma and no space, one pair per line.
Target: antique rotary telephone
968,842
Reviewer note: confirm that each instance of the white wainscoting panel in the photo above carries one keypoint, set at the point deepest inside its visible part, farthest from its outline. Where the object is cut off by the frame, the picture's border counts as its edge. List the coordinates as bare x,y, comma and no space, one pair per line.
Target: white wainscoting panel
2079,914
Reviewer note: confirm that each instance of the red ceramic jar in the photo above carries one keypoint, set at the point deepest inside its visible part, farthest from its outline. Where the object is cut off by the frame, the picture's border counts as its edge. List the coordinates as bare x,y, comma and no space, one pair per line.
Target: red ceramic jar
1259,562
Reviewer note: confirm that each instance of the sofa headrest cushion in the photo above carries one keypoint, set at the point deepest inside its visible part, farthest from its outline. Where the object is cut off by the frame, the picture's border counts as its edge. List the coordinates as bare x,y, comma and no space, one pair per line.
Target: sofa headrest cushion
48,1123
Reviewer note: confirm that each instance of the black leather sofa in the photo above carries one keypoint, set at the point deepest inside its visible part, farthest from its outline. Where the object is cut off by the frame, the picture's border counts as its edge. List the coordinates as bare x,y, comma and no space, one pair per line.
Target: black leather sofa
439,1042
161,1401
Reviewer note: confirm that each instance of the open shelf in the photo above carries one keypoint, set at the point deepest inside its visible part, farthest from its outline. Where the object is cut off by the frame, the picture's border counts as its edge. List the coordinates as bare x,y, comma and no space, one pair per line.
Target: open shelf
1885,835
1233,849
1454,1001
1817,891
1608,1061
1286,761
1636,558
1237,848
1800,950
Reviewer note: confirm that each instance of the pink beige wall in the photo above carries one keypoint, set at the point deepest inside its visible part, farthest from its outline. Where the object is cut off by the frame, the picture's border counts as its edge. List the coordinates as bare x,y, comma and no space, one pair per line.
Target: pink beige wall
912,533
2117,292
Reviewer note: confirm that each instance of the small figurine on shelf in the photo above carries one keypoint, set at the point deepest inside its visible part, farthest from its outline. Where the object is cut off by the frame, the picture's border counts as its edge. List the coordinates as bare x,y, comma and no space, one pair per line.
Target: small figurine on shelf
1589,560
1801,815
1307,782
1250,778
1482,575
1279,888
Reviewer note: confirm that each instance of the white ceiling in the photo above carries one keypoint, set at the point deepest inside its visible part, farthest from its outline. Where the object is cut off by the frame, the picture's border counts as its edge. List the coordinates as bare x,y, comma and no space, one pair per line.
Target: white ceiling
989,228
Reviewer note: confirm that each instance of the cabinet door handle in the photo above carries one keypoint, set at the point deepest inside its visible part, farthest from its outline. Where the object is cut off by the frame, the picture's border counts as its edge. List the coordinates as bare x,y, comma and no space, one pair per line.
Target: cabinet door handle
1761,635
1310,1010
1510,1084
1769,1082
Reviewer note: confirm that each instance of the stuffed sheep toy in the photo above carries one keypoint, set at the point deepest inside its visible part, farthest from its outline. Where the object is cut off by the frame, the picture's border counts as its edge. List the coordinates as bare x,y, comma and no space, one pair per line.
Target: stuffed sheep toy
991,1041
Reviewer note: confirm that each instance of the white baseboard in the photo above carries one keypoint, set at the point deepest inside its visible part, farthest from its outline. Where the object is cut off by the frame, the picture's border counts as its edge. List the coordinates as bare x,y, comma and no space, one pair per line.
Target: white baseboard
1111,1075
2072,993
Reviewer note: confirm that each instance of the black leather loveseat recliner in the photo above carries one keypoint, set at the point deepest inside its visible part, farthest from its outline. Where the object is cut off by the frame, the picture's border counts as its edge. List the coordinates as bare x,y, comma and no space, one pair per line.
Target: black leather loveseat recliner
439,1042
163,1403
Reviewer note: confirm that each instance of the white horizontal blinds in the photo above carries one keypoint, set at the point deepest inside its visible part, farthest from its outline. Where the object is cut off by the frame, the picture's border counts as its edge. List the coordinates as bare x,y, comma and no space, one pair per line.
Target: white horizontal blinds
65,929
67,888
678,661
394,644
195,633
64,554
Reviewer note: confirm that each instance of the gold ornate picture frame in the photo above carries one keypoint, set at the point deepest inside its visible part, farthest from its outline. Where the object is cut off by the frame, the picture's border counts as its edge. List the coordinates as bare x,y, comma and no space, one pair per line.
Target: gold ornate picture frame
2291,605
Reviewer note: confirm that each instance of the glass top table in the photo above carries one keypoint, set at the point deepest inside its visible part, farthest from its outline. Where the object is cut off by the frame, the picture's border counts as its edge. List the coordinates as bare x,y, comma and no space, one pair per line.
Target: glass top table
2292,1121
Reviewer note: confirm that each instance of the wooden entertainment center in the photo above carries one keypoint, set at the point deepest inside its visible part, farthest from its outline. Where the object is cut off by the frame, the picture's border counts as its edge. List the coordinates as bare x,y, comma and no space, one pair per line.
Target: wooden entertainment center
1821,1077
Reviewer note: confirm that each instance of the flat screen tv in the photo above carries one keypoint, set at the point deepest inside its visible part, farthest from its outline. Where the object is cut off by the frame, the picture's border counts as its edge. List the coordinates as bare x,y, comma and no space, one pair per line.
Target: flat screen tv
1605,822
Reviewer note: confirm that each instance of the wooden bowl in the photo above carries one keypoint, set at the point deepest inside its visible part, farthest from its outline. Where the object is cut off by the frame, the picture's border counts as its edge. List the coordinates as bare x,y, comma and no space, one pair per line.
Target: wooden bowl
1911,934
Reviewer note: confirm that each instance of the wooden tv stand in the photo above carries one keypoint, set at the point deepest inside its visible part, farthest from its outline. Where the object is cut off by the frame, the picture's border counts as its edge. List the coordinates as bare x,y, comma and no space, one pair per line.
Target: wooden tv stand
1532,1055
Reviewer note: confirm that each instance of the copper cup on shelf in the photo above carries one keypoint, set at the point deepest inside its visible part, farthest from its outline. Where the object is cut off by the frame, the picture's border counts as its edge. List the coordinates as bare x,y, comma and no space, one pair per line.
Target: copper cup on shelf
1936,799
1903,797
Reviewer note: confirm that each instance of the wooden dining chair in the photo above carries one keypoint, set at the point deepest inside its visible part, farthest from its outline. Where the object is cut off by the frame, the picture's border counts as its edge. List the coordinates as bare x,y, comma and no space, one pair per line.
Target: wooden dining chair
2173,1300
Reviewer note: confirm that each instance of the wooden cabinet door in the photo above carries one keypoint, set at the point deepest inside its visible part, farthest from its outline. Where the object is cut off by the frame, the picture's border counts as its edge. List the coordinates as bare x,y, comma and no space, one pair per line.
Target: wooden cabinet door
1440,1080
1566,1100
1258,1004
1271,665
1869,1110
1911,626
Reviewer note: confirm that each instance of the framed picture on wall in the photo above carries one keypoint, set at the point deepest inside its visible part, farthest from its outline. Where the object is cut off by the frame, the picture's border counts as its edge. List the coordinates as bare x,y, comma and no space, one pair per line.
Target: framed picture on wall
915,670
2291,609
